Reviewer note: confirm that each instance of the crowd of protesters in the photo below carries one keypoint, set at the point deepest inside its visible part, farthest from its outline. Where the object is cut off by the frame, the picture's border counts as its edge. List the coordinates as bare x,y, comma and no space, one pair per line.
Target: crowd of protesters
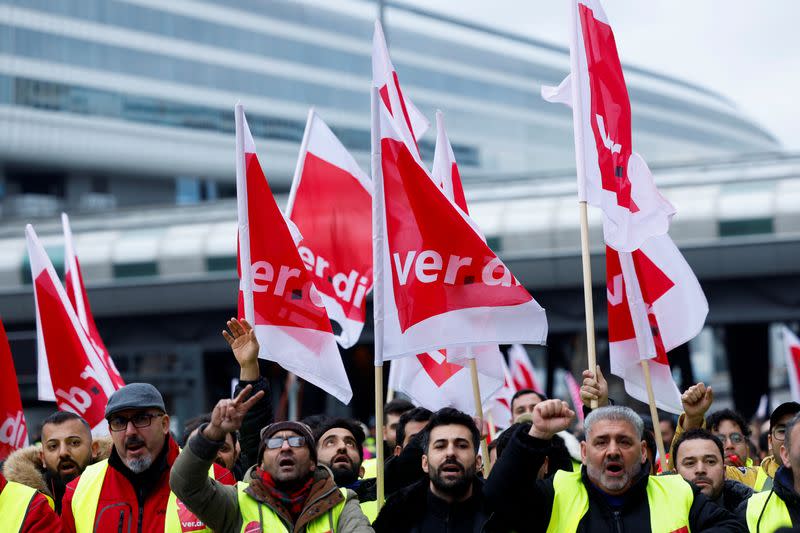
241,471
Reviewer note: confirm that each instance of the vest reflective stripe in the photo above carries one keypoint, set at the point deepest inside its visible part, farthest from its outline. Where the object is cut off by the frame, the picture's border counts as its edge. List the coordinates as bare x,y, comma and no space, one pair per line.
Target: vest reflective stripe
761,481
770,510
670,499
15,500
269,521
87,495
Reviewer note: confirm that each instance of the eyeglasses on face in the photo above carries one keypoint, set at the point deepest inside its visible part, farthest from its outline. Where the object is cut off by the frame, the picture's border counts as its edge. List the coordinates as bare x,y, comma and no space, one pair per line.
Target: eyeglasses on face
277,442
779,432
735,437
142,420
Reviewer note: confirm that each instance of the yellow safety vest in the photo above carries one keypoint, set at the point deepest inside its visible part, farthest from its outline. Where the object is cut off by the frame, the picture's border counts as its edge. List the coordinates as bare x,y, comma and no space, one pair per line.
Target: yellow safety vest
87,494
370,510
766,512
370,468
761,480
12,510
253,510
670,499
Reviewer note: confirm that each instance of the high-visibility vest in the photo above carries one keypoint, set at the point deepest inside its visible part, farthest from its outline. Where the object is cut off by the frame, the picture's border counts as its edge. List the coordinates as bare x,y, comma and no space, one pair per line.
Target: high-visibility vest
15,500
766,512
254,511
763,481
670,498
370,510
87,495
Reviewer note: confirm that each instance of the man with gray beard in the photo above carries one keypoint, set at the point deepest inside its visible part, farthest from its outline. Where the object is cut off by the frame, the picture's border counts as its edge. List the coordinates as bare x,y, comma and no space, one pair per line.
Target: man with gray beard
612,492
130,490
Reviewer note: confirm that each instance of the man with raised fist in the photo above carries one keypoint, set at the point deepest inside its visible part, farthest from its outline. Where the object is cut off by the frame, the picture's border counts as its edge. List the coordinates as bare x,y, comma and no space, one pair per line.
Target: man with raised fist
612,492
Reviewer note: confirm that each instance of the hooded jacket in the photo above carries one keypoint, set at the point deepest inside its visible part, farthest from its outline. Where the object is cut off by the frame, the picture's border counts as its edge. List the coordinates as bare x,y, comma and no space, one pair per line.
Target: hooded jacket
218,505
25,466
512,486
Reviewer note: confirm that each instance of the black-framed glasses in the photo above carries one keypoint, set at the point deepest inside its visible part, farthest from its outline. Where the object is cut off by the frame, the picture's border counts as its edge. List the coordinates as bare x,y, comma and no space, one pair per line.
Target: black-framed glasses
142,420
277,442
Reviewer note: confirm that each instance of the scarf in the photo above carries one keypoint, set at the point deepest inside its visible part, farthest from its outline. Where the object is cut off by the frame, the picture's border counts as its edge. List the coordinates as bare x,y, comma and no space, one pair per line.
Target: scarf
292,501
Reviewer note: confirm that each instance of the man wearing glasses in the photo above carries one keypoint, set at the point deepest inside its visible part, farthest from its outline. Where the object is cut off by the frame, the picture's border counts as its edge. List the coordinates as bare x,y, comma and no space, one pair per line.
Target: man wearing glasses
130,490
286,491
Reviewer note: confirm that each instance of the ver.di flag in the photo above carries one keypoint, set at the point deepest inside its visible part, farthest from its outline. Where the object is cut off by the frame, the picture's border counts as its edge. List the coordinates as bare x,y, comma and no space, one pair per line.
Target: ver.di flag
791,350
611,175
13,430
655,304
79,379
277,293
76,291
331,204
441,284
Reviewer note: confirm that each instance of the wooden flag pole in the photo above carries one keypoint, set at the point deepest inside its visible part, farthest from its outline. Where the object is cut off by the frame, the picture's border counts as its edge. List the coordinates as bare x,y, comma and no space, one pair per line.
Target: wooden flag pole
476,393
588,304
654,413
379,434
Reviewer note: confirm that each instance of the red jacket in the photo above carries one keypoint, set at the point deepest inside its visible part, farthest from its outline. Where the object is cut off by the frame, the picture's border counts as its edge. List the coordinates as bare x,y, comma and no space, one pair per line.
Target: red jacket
39,518
118,507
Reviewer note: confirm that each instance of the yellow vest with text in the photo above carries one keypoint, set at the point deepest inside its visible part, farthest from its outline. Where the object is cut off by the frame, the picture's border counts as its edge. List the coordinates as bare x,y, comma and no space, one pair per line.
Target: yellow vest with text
670,498
766,512
15,500
254,511
87,494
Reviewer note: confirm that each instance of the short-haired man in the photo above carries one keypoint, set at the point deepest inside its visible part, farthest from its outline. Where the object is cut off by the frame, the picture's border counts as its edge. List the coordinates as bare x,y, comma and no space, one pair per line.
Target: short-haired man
287,491
450,498
698,459
392,412
613,490
698,399
410,423
340,447
67,449
130,490
779,506
523,401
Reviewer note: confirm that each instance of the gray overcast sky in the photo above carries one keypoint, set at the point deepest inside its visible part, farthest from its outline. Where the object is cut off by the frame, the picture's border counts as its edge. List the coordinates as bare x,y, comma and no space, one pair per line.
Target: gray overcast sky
747,51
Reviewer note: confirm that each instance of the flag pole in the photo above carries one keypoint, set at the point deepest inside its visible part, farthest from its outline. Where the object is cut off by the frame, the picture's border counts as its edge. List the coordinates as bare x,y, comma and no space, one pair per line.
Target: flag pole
377,284
654,413
586,260
476,393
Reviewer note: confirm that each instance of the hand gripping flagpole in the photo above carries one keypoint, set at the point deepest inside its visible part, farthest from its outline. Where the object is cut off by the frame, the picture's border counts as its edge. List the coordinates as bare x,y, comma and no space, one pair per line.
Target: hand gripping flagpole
476,393
644,340
377,294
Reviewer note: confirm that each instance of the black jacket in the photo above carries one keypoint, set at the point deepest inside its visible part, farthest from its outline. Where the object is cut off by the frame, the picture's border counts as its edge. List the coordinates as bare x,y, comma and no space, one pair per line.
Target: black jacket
783,488
733,494
415,509
258,417
525,503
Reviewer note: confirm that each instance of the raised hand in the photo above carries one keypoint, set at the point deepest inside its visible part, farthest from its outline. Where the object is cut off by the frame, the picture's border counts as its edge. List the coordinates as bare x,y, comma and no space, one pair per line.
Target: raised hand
228,414
696,401
550,417
243,343
594,387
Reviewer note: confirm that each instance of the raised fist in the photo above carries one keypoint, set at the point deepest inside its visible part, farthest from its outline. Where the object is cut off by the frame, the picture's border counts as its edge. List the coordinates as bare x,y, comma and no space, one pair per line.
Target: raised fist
550,417
696,401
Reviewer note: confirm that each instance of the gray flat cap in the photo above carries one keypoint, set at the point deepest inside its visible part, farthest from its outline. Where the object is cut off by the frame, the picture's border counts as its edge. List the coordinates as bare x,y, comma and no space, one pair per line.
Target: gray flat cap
135,396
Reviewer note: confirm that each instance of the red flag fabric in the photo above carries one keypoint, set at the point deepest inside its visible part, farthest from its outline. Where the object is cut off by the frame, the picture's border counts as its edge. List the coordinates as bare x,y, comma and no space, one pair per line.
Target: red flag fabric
331,204
79,378
444,287
610,174
13,430
574,394
410,123
522,371
76,291
498,408
655,304
445,169
277,293
791,350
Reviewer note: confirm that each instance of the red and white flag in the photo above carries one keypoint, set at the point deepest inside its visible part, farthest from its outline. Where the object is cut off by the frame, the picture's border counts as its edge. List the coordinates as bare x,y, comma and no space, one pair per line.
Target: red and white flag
522,371
431,381
445,169
277,293
574,394
13,430
410,123
78,376
437,282
498,408
791,349
610,174
331,204
76,291
655,304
